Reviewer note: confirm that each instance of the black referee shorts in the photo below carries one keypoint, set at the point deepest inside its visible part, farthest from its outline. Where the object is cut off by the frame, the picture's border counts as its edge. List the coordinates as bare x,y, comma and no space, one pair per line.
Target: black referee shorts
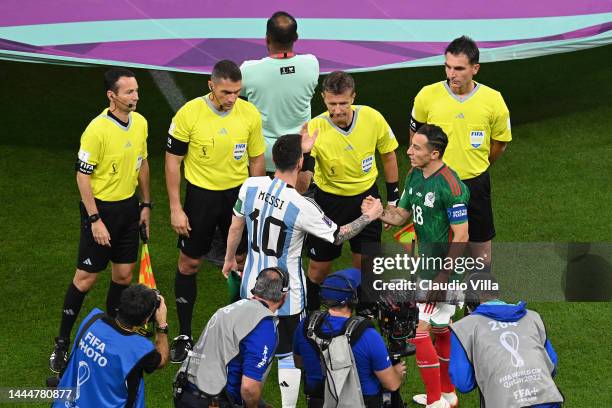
207,210
343,210
480,211
121,220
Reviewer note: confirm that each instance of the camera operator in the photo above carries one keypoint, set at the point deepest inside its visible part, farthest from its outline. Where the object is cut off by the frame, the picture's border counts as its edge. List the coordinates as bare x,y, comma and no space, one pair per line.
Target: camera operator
367,351
108,357
503,349
228,364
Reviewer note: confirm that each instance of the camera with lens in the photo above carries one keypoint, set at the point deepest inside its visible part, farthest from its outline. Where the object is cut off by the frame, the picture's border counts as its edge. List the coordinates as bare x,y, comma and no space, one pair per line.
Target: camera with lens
398,317
148,329
398,321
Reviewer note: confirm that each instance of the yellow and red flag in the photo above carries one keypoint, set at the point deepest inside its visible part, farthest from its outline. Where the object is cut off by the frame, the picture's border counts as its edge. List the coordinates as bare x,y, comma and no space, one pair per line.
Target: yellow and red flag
146,270
407,237
146,277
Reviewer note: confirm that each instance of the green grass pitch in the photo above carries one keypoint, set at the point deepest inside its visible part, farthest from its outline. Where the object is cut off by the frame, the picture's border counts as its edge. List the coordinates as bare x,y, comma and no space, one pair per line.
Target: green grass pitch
552,185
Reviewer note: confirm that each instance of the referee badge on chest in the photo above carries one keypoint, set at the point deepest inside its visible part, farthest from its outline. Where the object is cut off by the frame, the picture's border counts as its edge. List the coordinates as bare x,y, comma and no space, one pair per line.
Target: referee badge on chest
239,150
366,164
476,138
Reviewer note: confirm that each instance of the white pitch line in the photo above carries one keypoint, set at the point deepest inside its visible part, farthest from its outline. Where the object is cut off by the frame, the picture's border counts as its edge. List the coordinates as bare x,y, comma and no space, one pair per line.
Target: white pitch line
169,88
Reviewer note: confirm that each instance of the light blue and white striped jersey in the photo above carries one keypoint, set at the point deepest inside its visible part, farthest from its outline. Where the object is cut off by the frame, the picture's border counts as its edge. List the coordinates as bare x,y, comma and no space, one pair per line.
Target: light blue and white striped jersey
278,219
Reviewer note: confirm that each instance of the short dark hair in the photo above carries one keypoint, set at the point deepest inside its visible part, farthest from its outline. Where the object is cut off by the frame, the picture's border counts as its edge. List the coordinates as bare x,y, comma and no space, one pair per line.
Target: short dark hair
282,28
226,69
286,152
464,45
136,305
269,285
338,82
112,76
436,138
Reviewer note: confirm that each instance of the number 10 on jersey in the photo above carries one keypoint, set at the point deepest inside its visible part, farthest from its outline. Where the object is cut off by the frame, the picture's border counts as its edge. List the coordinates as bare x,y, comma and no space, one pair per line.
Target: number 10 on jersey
272,236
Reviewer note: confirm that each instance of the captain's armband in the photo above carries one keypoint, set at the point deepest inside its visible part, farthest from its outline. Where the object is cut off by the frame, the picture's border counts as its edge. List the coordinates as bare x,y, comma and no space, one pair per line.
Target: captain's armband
457,214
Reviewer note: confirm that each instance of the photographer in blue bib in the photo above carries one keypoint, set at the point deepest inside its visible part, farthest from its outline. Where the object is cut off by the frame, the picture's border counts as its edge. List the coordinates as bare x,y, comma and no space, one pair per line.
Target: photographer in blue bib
350,350
108,358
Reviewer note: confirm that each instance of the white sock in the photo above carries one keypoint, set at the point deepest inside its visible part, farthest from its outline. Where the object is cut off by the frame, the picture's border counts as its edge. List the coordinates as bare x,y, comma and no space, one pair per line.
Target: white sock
289,381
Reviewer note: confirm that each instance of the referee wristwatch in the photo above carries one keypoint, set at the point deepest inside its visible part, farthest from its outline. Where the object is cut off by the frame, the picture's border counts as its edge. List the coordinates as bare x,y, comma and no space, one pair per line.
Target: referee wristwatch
93,218
162,328
146,205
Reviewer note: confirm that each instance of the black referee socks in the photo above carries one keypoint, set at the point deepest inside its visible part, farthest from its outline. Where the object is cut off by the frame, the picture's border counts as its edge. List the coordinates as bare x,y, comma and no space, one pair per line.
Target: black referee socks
113,297
313,301
185,291
72,306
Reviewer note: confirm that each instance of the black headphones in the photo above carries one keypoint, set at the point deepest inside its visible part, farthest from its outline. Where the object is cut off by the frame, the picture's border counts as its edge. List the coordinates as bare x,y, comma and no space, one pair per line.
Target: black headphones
352,290
284,276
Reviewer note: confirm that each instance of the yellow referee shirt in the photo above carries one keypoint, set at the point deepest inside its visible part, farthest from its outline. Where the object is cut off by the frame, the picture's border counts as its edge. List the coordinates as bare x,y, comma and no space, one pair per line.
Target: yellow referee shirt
220,143
115,153
345,160
470,123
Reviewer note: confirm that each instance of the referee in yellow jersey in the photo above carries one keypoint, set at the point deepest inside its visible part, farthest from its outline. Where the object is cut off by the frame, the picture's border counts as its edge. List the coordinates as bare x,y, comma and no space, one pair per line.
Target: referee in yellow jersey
477,122
112,162
219,138
345,172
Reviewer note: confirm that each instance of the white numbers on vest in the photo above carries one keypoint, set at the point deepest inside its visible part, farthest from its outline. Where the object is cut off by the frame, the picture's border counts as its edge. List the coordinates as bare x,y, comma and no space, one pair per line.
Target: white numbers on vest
501,325
417,214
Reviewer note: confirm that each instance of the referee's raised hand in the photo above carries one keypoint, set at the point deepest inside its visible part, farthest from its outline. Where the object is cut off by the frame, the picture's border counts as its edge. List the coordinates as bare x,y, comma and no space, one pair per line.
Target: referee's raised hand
100,233
180,222
308,140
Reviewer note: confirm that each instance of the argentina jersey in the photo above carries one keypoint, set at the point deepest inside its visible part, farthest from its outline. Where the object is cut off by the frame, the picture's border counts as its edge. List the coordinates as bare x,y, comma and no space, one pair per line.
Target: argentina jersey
277,221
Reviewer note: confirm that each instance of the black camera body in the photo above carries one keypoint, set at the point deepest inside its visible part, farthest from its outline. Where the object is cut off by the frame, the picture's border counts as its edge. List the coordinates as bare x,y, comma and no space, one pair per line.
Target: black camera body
398,322
148,329
398,317
179,384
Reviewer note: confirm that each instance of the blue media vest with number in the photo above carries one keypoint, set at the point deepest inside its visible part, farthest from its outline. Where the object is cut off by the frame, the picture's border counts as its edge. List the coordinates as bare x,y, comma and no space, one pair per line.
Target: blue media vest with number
99,365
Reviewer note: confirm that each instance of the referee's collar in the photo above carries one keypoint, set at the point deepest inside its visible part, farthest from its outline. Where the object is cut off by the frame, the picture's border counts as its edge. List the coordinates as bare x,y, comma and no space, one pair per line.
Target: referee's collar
119,121
459,98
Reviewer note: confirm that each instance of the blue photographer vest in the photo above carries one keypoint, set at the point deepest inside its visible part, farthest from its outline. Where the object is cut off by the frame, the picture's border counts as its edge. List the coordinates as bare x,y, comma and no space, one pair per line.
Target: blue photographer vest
99,366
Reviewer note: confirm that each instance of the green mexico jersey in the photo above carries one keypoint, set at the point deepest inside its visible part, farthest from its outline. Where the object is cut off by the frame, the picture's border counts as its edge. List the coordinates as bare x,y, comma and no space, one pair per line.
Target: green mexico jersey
435,202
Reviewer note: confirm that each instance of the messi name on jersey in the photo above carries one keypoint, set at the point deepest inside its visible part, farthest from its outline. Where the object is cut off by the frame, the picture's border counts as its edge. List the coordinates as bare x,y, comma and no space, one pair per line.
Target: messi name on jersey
270,199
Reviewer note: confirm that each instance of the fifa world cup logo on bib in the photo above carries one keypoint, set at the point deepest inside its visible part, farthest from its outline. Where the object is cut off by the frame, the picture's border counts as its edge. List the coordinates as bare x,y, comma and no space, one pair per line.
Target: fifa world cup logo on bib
510,341
83,374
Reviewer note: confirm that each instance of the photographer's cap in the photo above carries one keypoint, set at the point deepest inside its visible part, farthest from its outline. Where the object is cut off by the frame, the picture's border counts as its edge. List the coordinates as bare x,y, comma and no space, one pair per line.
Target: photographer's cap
341,286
